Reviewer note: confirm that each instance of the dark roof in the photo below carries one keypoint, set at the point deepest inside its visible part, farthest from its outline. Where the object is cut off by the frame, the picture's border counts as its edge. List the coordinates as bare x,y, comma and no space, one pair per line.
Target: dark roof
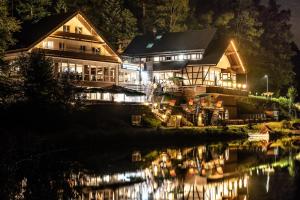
170,42
33,32
214,51
171,65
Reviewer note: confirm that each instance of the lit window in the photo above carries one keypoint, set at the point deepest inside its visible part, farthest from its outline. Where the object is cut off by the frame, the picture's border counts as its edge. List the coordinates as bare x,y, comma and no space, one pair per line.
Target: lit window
72,67
78,30
48,44
180,57
150,45
79,68
156,59
66,28
193,56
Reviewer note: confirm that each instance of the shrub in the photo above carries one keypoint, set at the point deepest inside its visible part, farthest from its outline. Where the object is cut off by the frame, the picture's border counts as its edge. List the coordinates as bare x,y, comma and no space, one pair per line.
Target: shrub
151,122
286,124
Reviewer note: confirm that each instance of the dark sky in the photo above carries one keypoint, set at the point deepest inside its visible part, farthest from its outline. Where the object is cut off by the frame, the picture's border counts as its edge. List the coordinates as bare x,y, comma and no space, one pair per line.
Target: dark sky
294,6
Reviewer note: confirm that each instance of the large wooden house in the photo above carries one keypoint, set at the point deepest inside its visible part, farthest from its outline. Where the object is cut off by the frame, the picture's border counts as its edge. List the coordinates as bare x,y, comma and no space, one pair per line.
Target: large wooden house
192,64
75,46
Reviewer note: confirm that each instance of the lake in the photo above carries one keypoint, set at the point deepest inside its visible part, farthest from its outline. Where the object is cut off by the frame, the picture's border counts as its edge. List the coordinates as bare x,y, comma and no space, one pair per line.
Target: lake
239,170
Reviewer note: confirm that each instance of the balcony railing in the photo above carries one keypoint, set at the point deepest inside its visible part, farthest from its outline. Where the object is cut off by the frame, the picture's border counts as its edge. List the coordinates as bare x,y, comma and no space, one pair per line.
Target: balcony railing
78,55
208,89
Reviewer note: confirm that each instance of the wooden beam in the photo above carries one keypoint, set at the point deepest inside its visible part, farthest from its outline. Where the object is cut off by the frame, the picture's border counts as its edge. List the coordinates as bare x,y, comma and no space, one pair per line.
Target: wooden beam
197,75
206,74
229,53
188,75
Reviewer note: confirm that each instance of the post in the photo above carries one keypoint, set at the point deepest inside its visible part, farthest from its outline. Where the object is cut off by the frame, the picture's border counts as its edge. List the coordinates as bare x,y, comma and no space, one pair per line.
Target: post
267,84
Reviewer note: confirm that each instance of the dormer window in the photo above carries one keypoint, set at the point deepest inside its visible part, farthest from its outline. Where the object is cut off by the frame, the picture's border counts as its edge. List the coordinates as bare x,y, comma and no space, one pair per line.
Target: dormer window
78,30
48,44
149,45
66,28
158,37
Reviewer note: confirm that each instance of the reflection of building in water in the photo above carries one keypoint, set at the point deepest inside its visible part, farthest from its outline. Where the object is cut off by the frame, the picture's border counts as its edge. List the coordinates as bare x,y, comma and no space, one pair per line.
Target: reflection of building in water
188,173
227,188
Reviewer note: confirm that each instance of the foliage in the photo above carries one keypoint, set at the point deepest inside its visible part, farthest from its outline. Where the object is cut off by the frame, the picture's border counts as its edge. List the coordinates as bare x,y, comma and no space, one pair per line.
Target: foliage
150,122
40,86
8,25
116,22
292,94
286,124
263,34
33,10
171,15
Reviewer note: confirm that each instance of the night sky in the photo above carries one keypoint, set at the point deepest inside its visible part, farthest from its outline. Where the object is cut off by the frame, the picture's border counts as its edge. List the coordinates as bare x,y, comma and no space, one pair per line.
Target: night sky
294,6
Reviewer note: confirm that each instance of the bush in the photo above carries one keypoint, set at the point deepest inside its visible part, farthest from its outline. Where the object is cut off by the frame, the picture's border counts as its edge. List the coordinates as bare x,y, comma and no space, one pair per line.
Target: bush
151,122
286,124
185,122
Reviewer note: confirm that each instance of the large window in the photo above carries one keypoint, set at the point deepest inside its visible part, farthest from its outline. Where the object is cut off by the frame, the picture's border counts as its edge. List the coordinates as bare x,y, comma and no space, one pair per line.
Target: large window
48,44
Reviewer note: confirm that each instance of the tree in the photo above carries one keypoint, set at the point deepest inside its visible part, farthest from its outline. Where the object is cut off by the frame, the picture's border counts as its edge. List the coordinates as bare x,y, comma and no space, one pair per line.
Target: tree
33,10
276,43
8,25
167,15
60,6
291,94
116,22
41,86
39,81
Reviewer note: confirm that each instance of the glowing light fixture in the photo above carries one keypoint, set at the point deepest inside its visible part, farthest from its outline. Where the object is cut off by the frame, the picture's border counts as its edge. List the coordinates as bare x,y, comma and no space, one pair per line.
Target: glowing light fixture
238,55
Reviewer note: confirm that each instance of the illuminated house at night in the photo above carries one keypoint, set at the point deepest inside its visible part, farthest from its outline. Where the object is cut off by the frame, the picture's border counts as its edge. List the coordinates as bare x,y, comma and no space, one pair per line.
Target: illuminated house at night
190,64
75,46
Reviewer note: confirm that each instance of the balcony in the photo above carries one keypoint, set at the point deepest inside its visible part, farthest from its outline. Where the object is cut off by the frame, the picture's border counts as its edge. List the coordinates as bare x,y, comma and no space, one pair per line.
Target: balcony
77,54
77,36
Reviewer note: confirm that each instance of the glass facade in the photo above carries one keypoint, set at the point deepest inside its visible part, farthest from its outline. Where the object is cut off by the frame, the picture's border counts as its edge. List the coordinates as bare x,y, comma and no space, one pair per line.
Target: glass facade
87,72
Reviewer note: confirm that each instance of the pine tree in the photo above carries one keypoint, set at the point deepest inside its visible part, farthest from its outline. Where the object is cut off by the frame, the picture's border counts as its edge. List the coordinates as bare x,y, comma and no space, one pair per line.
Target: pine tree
33,10
8,25
167,15
60,6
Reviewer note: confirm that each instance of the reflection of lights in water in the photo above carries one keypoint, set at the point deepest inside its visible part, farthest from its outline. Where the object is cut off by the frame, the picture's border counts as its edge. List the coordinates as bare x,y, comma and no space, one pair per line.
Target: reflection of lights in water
246,181
179,155
268,182
155,169
240,183
227,154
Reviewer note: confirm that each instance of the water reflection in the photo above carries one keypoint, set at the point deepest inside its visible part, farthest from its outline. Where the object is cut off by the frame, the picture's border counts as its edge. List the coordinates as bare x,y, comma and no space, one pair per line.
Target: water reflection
212,172
236,170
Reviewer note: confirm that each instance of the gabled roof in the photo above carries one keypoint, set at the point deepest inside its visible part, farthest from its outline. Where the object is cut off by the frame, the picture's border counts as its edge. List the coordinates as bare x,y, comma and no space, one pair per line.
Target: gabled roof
33,33
170,42
214,51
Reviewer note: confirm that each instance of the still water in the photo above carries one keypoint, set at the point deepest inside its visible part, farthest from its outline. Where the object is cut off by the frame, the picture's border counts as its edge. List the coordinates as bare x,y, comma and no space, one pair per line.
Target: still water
235,170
